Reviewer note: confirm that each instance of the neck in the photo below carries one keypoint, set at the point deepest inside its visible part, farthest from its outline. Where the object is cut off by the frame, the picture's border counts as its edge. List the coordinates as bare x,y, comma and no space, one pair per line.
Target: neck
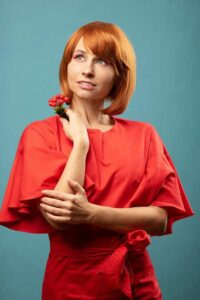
90,113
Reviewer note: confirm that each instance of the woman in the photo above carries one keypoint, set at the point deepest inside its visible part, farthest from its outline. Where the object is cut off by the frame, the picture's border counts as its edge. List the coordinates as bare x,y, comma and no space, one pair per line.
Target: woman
99,185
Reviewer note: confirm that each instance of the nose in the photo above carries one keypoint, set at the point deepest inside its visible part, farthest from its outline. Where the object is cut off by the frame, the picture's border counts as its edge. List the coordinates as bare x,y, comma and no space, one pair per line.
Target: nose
88,69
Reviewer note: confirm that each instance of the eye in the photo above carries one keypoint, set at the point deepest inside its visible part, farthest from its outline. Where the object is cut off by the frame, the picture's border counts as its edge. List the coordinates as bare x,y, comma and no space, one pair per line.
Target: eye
78,56
103,61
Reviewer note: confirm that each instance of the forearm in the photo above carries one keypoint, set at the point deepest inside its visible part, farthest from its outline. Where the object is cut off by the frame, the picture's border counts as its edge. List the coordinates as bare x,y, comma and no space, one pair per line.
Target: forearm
74,169
152,219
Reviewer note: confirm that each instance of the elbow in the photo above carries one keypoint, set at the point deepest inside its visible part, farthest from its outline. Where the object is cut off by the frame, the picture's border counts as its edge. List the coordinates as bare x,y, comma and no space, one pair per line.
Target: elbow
162,226
160,221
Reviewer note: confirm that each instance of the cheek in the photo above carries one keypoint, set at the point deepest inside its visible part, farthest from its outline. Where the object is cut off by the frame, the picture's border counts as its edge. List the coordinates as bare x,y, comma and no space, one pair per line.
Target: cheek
107,78
70,71
73,70
71,74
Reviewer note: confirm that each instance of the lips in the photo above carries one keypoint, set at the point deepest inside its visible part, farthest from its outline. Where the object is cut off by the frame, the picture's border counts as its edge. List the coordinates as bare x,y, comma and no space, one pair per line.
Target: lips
87,82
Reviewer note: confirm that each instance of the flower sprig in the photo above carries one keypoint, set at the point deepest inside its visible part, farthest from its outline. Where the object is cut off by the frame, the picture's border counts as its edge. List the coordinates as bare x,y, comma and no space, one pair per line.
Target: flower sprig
57,102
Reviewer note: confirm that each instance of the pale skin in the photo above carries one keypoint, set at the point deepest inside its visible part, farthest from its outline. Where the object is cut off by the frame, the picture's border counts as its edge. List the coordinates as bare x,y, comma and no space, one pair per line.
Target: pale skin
67,203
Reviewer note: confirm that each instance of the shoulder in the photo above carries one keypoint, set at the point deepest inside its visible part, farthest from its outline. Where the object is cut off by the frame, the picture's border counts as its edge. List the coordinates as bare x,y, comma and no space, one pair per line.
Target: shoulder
48,124
140,127
41,129
146,134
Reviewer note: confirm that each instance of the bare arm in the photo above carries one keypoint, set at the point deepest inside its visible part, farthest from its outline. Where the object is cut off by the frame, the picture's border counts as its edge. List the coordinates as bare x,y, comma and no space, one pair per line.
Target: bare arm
75,166
152,219
75,170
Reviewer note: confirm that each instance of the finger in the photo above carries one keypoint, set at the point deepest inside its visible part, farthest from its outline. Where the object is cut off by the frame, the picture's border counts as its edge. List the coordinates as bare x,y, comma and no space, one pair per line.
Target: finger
57,194
68,111
58,219
55,211
76,186
61,119
64,121
54,202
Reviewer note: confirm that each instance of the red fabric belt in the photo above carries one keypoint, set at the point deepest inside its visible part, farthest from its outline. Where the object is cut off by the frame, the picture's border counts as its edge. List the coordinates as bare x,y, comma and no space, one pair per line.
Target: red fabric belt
114,271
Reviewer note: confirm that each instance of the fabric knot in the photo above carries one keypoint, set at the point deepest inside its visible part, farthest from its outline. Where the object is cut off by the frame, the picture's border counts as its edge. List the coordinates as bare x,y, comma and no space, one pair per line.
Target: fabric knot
114,271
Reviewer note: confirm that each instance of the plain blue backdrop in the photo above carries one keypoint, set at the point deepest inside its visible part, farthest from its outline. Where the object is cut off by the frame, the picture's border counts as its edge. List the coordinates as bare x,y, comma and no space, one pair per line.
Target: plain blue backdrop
165,35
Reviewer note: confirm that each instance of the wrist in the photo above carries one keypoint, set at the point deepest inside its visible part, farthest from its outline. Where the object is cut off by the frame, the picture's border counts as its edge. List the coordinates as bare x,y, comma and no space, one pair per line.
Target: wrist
100,215
81,144
94,212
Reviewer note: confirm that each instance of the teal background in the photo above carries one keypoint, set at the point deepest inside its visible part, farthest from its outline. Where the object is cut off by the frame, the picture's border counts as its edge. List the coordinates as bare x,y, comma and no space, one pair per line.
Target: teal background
165,35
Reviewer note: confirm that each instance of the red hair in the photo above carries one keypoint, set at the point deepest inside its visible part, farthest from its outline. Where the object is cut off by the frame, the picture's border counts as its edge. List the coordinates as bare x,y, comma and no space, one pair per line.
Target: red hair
105,40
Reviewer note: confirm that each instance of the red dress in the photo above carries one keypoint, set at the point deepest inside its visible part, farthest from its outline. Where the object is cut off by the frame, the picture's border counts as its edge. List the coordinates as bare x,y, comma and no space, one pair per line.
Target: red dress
126,166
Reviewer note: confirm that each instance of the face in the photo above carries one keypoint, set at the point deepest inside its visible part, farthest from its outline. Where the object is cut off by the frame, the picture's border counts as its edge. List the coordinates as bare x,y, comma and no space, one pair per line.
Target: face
89,77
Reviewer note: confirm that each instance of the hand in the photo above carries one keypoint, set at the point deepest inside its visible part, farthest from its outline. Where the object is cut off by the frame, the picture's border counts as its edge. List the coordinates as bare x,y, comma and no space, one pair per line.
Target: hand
55,225
75,129
63,208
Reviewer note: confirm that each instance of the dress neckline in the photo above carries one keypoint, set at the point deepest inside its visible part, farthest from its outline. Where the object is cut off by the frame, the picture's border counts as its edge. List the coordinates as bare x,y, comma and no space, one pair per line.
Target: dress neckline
94,130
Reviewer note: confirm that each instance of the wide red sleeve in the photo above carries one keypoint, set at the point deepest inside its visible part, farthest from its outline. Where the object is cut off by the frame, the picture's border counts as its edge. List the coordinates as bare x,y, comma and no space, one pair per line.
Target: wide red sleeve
160,185
162,174
36,166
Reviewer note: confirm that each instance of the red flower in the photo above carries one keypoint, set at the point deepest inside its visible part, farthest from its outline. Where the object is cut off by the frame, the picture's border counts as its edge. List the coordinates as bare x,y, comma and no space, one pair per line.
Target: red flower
57,102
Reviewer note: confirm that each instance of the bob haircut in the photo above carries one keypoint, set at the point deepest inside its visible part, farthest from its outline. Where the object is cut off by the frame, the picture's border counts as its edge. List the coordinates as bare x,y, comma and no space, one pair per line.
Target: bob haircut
107,41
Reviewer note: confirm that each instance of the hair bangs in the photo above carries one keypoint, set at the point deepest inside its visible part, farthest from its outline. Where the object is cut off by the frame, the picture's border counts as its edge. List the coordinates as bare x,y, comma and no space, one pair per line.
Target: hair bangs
102,44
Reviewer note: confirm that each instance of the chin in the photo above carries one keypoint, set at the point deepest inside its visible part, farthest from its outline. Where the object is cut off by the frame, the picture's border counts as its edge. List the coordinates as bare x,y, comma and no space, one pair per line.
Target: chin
85,96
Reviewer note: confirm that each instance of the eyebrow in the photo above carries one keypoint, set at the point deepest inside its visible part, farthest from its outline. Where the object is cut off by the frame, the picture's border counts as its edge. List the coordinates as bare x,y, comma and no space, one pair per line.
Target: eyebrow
78,50
82,51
